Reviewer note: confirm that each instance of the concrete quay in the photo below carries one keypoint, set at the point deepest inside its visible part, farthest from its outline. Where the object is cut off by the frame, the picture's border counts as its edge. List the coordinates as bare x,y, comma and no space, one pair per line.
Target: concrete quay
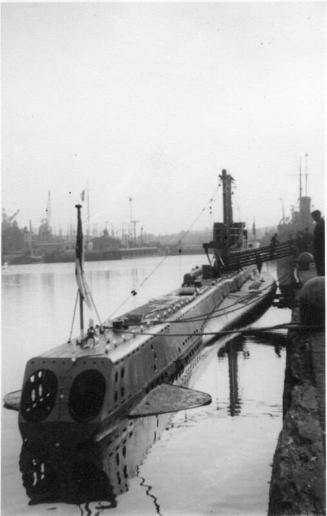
298,474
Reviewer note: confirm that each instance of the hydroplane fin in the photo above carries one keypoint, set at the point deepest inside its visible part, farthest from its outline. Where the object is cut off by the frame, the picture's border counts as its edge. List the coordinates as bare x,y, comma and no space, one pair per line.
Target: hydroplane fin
169,398
162,399
11,400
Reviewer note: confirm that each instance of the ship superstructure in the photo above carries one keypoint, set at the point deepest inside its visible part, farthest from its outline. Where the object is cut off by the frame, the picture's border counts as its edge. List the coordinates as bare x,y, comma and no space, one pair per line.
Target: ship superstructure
297,228
228,236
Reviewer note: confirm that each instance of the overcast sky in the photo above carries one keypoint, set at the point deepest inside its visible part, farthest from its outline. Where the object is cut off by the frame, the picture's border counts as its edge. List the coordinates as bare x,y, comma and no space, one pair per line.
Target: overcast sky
152,100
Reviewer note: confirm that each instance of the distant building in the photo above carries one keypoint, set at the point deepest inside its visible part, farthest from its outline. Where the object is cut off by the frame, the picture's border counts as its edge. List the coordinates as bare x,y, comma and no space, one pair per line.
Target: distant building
105,242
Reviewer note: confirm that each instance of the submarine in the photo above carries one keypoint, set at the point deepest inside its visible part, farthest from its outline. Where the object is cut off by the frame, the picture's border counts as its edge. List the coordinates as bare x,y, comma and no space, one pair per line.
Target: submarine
95,386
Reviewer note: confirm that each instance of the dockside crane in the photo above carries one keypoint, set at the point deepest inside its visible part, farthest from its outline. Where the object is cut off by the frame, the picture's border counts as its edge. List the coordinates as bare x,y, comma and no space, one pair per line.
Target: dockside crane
9,219
48,211
133,222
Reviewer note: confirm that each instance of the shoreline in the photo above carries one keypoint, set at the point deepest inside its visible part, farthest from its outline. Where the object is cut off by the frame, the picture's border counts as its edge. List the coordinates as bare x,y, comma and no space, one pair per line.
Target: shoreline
298,472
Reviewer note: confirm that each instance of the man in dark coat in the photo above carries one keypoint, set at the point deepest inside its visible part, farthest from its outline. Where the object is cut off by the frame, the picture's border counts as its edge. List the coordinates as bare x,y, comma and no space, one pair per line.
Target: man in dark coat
319,242
273,243
307,240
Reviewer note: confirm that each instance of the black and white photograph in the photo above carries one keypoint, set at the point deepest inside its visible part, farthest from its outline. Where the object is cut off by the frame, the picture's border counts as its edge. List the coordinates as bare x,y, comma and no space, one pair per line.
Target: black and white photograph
163,258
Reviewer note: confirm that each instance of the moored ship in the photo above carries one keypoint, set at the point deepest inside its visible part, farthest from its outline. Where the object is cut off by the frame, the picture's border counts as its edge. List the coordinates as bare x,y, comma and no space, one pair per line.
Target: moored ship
95,386
298,229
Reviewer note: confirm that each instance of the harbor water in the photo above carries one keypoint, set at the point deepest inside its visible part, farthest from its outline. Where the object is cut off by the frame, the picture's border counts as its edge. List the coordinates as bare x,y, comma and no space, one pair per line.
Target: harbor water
210,460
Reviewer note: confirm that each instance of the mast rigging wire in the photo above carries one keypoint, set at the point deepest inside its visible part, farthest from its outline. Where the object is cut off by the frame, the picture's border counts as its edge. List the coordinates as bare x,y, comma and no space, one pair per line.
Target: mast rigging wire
74,313
166,256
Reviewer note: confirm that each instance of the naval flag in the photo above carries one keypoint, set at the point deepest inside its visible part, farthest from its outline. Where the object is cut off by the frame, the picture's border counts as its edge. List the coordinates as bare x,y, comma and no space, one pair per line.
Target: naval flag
79,261
83,196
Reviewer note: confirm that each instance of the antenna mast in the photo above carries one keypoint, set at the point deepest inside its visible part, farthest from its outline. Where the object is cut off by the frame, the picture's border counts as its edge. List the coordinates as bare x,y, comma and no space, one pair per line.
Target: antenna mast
132,221
283,209
88,211
78,265
300,179
306,174
48,211
130,200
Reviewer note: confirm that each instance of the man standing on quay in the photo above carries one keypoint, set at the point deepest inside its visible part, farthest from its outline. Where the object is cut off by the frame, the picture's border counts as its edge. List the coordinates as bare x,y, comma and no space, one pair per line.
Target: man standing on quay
319,242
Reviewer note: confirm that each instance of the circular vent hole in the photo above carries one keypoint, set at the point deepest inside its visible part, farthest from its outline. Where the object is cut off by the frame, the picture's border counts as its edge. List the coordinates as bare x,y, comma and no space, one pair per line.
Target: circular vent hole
39,395
86,395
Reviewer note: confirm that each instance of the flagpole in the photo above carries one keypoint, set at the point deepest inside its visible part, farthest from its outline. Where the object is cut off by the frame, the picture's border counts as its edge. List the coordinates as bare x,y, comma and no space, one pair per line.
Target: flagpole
79,253
88,210
81,315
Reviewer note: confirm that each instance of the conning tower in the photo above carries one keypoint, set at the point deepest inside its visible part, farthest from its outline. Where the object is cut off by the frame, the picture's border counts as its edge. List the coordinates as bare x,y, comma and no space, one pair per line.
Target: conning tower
228,236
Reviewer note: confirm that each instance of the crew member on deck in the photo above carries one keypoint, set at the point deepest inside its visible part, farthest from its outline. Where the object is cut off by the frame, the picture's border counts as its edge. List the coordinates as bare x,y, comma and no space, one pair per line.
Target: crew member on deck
319,242
273,243
307,241
90,336
218,266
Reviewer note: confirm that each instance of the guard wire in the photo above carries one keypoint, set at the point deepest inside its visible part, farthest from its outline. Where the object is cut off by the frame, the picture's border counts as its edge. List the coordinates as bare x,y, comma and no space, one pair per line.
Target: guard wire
286,326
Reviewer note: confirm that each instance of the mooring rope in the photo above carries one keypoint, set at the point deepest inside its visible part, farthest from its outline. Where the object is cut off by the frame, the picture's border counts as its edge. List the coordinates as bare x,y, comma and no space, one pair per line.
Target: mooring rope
95,308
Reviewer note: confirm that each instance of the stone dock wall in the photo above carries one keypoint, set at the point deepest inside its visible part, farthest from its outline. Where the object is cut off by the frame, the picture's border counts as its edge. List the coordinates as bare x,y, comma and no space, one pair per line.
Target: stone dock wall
298,474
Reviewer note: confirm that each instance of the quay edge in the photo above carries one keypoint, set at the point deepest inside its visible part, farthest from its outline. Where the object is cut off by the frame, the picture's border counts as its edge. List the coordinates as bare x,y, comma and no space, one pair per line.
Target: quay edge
298,483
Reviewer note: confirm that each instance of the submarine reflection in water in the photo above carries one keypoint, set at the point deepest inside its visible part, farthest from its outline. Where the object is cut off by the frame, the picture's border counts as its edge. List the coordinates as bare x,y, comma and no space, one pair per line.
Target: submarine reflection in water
231,349
237,346
100,471
95,471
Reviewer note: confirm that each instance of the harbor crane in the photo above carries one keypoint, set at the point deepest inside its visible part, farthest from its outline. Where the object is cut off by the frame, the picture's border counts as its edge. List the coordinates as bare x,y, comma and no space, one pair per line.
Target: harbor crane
133,222
48,210
9,219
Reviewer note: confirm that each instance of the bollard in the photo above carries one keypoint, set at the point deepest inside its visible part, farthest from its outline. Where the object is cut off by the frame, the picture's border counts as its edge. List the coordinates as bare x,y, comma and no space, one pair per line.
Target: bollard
312,302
